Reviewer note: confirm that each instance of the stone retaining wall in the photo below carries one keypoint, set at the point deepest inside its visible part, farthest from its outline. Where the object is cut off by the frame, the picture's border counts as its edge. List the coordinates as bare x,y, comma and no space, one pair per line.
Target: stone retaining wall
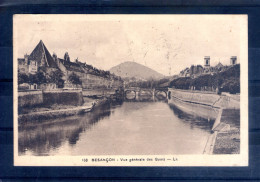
225,100
196,110
46,98
205,98
97,92
30,98
63,97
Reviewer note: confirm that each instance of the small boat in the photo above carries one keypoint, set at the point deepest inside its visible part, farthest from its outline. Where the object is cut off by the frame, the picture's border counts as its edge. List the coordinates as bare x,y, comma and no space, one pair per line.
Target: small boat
87,108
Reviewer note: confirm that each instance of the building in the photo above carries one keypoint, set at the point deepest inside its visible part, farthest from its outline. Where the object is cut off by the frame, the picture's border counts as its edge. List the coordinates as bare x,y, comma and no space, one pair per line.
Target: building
197,70
27,66
67,67
233,60
40,58
219,65
207,61
23,65
92,78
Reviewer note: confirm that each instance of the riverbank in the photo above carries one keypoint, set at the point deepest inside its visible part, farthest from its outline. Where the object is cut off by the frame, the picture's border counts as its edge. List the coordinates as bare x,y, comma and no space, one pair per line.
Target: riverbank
40,113
228,135
212,99
225,137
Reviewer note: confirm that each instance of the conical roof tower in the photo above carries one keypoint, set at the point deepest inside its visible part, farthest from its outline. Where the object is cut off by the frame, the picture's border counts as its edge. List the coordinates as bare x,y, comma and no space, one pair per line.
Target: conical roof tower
42,56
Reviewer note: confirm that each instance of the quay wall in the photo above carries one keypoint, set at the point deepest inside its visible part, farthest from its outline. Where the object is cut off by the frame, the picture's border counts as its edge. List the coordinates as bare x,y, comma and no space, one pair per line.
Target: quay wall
47,98
196,110
204,98
30,98
212,106
66,97
225,100
98,92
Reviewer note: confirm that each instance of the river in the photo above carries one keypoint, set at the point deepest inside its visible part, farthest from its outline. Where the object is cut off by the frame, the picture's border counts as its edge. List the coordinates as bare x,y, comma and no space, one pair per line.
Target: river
120,128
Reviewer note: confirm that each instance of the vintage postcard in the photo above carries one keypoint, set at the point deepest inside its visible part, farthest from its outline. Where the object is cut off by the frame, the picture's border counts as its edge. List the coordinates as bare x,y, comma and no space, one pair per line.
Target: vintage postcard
130,90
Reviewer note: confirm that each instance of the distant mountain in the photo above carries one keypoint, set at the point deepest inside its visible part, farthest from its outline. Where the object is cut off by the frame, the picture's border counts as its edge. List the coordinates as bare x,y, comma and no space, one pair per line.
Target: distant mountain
133,69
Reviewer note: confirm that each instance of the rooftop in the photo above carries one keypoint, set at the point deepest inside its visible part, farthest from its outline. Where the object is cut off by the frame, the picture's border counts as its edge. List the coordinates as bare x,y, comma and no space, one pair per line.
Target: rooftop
40,53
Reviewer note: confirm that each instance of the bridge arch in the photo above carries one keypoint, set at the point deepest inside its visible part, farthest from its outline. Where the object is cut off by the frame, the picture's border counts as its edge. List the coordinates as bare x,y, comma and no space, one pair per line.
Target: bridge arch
128,92
143,91
160,91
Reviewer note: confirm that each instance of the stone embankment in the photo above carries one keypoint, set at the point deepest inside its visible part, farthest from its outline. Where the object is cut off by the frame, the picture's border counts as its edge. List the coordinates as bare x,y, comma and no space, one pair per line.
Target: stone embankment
42,98
30,98
34,117
225,137
34,106
228,133
98,92
212,99
37,106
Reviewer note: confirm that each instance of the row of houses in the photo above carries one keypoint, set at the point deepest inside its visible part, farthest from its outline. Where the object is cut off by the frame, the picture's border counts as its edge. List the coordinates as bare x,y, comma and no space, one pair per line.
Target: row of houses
91,78
198,70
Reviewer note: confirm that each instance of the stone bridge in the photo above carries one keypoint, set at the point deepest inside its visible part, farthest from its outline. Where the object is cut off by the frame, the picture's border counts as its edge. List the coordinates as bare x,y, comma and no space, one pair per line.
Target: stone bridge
145,91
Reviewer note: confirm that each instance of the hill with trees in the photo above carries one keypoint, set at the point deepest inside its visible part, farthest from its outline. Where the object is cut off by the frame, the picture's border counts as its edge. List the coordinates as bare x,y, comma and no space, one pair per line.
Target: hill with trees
226,81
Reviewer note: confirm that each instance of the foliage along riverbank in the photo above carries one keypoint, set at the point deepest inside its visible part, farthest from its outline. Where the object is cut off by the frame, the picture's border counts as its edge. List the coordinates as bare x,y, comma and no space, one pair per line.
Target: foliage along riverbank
226,81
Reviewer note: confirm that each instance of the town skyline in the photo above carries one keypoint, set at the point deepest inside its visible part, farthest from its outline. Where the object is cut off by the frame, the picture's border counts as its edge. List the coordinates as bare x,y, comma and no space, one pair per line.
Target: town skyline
161,53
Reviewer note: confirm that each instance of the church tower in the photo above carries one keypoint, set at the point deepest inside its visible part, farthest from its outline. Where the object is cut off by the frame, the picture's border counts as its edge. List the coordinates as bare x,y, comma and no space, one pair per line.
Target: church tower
206,61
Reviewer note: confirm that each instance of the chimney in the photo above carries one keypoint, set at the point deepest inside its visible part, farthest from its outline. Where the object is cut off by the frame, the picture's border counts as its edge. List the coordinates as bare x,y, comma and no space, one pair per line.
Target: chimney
26,57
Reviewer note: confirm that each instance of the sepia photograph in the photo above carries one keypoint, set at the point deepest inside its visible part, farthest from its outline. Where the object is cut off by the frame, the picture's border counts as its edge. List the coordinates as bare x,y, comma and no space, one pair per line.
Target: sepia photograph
130,90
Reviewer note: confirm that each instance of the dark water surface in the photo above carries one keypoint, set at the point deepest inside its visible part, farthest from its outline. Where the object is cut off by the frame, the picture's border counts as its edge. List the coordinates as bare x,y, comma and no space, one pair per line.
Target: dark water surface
125,128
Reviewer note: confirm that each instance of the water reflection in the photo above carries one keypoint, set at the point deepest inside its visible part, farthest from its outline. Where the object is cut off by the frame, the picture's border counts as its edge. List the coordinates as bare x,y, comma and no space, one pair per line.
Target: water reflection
142,126
194,121
196,110
41,138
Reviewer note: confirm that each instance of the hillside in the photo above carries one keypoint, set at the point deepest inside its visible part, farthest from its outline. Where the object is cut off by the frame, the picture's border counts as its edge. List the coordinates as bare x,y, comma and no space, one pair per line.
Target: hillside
226,81
132,69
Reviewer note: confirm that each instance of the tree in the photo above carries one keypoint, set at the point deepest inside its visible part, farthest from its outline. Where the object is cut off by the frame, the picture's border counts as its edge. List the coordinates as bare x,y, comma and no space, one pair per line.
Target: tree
74,79
22,78
226,81
38,78
56,77
32,79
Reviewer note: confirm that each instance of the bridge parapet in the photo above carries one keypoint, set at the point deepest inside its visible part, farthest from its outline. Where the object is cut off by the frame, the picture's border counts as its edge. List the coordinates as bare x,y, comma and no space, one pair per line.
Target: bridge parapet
153,92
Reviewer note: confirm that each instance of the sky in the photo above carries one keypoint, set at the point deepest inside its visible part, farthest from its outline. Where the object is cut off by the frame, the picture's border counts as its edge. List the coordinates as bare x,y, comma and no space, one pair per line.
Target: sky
164,43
